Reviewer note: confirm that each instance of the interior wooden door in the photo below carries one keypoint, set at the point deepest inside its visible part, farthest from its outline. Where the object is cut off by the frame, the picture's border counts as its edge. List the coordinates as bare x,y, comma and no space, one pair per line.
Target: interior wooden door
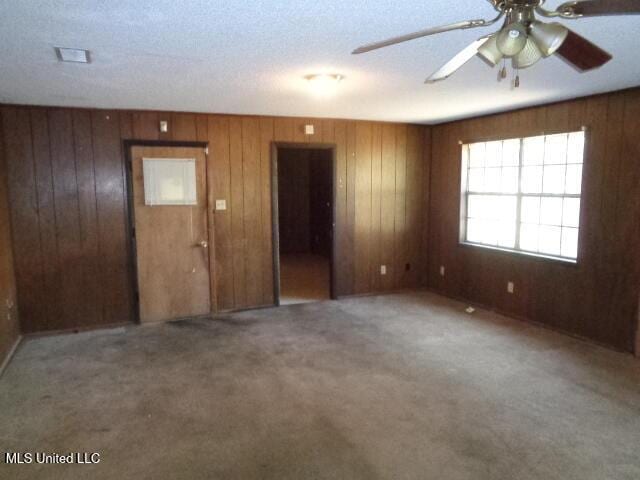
172,243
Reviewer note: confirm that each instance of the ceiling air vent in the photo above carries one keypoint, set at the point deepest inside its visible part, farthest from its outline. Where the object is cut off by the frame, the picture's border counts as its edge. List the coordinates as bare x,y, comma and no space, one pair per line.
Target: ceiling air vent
73,55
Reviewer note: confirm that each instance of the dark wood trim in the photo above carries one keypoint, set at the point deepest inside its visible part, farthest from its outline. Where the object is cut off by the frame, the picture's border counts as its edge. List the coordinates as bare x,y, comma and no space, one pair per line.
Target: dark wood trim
531,132
275,146
4,363
275,232
130,224
128,143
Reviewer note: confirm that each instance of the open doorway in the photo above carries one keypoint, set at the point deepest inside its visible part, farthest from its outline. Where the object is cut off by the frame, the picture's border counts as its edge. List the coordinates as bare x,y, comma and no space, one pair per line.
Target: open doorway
303,223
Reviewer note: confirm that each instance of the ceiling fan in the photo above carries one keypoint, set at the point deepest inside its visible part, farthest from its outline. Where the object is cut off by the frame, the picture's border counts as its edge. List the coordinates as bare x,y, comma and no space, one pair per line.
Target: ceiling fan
523,38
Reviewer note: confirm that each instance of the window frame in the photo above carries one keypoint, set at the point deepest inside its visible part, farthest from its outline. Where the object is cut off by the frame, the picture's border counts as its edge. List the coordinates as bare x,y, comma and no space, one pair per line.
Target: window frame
464,198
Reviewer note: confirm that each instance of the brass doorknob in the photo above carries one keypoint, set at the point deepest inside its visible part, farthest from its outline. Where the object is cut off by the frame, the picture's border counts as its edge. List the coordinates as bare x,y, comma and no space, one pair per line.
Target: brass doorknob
204,244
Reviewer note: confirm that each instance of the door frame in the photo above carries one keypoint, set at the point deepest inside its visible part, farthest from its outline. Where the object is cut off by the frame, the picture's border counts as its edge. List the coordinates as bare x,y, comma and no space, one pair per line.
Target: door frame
128,146
275,222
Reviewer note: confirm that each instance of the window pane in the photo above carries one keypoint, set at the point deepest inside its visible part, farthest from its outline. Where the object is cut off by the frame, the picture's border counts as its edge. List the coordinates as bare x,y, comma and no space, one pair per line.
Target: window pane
549,240
511,152
551,211
509,180
494,154
492,179
553,181
482,231
574,179
476,179
570,242
555,149
476,155
533,151
575,149
507,234
505,208
571,212
531,180
530,212
529,237
474,230
476,206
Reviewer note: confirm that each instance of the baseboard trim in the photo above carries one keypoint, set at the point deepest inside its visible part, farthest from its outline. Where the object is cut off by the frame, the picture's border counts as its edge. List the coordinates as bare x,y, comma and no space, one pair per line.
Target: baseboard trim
9,357
384,292
89,328
527,320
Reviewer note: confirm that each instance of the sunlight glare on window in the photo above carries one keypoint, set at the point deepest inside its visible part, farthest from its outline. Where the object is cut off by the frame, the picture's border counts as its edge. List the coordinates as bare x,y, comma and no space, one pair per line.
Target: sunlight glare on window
523,194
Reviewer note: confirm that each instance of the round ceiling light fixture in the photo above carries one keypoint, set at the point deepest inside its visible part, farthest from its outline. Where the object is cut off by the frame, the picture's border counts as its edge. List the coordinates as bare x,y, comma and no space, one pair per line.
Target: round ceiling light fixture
549,37
324,84
490,52
529,55
512,39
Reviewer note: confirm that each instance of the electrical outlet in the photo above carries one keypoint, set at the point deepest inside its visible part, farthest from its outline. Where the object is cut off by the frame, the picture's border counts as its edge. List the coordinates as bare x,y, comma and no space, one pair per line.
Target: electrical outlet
442,270
383,269
510,287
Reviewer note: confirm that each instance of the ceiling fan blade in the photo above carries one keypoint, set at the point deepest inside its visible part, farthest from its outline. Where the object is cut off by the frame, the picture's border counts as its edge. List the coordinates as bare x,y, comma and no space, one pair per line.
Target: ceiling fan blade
581,53
589,8
456,62
422,33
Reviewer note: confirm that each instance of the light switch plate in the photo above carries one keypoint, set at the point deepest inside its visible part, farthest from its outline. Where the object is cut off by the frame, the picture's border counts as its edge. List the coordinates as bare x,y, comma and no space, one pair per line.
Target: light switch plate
442,270
221,205
309,130
383,269
510,287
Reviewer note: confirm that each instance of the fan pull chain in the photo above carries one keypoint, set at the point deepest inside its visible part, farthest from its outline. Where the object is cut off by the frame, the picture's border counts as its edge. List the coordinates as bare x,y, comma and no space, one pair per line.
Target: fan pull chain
503,71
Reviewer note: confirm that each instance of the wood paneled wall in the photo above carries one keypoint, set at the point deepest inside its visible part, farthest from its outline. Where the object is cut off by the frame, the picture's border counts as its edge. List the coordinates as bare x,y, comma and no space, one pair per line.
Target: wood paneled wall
68,206
9,327
598,297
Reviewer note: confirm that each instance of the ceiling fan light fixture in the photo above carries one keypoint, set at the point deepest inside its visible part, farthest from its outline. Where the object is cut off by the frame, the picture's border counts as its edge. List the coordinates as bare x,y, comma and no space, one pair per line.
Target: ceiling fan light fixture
512,39
529,55
490,52
549,37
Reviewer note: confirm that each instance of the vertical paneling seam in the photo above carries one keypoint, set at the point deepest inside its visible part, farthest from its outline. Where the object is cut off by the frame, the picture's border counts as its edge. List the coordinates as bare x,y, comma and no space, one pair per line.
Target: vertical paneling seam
95,195
35,188
53,188
75,172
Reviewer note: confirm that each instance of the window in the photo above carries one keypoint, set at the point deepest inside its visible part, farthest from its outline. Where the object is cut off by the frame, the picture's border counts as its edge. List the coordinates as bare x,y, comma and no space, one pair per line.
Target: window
169,181
523,194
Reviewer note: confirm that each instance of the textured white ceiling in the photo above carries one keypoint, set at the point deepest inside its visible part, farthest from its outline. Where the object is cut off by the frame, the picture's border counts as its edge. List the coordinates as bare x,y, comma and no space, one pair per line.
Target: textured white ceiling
250,56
